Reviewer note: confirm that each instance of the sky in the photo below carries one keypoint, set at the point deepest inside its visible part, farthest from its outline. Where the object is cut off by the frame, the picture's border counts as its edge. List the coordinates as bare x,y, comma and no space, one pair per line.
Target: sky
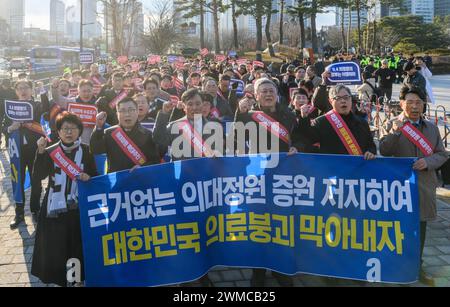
37,13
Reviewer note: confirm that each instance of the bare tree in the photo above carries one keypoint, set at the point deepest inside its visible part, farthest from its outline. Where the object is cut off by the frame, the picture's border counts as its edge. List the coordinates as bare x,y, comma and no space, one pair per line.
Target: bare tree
121,16
269,13
282,5
333,37
162,32
245,38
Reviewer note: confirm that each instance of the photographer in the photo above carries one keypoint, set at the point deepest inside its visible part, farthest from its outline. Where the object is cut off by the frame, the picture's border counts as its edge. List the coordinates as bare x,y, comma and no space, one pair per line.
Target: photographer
413,78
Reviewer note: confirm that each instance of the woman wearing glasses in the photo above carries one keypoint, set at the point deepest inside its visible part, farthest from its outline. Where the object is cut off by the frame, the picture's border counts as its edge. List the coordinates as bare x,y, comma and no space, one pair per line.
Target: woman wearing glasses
58,232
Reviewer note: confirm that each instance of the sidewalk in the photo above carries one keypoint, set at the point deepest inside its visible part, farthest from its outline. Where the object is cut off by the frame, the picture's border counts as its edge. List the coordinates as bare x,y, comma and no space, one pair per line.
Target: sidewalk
16,247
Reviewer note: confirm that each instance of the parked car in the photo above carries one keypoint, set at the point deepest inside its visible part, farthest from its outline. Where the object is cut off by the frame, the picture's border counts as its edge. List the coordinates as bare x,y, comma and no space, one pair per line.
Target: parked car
19,63
4,69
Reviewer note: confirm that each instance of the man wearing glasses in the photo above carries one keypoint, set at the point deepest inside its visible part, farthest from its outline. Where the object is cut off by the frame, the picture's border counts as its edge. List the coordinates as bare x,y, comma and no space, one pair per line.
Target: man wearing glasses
127,145
267,114
29,134
339,131
409,135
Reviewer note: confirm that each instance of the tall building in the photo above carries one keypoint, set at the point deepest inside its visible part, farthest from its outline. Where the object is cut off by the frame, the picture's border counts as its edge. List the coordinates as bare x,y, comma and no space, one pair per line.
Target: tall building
90,19
353,18
13,12
90,28
57,19
73,23
441,7
379,10
424,8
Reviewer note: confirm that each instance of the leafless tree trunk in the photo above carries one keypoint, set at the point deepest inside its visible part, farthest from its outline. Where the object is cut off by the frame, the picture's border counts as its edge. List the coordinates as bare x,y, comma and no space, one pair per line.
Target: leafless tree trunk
344,47
349,30
301,20
358,12
372,46
235,30
267,30
282,3
202,24
215,11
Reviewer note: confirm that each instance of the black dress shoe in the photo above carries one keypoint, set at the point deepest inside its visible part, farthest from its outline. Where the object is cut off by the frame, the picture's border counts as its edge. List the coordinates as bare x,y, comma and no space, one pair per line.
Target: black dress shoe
426,278
16,222
283,280
258,278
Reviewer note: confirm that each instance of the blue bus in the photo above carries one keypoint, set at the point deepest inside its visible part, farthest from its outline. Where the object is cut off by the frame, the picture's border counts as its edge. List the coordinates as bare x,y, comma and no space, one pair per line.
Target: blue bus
50,61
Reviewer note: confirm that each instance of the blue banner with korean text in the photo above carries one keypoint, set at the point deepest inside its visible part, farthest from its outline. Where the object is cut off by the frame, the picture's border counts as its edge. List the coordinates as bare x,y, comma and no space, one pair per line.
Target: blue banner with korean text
20,111
326,215
14,146
344,73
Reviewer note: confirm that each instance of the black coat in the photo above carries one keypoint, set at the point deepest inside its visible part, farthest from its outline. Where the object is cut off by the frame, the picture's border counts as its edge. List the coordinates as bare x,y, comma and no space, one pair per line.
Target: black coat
321,131
320,99
102,142
103,105
223,106
57,239
281,115
164,138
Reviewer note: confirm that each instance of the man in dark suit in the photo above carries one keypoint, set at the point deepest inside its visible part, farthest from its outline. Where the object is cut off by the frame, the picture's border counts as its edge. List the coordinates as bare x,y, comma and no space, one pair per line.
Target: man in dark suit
111,98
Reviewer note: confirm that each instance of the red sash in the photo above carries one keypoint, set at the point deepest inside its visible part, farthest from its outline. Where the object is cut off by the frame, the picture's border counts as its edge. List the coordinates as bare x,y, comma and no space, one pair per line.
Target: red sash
219,92
272,126
417,138
68,166
123,94
344,133
96,80
312,109
178,84
128,147
195,139
215,113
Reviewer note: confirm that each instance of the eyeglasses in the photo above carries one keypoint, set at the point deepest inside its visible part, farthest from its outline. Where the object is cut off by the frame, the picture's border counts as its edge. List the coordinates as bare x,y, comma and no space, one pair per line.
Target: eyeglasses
266,92
414,102
342,98
66,130
127,111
